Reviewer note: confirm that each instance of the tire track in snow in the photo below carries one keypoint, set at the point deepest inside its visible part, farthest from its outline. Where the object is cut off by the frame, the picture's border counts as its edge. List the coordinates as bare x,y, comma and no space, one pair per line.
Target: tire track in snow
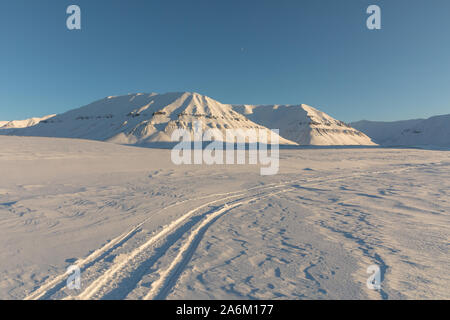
168,278
51,287
104,280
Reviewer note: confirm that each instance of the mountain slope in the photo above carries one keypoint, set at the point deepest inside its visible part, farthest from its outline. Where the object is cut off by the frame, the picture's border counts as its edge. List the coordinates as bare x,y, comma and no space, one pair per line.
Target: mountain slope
304,124
23,123
147,118
434,131
142,118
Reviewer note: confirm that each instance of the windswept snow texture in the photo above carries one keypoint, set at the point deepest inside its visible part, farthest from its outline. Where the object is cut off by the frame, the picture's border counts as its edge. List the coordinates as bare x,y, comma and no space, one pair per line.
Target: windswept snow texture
434,132
304,125
146,118
140,227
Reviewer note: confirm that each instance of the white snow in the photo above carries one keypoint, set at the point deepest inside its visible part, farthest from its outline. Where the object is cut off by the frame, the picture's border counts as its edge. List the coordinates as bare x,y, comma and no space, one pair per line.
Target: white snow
140,227
147,118
304,124
433,132
141,118
23,123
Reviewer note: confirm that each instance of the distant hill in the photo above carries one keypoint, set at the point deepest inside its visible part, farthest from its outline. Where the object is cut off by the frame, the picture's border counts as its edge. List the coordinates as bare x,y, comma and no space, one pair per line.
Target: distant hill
434,131
23,123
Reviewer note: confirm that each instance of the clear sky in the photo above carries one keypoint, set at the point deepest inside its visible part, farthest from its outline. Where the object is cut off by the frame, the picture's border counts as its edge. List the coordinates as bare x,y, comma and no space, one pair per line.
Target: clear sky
316,52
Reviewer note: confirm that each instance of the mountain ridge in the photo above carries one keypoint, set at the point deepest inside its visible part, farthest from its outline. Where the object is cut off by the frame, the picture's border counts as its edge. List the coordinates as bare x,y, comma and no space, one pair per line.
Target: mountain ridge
17,124
304,124
142,118
434,131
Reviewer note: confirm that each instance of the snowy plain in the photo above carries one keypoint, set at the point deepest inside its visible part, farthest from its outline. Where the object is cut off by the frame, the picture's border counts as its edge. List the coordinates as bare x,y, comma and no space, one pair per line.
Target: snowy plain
140,227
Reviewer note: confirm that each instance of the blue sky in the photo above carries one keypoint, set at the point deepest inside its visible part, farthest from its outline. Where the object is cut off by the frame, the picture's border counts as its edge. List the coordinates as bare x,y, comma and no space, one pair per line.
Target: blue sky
316,52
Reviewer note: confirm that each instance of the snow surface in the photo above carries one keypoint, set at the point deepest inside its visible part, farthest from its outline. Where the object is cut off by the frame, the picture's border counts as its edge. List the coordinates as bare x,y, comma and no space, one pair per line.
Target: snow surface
140,227
434,131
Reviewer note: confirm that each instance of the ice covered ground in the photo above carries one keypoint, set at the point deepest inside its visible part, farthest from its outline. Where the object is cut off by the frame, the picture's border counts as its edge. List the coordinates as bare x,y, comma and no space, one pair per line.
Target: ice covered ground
140,227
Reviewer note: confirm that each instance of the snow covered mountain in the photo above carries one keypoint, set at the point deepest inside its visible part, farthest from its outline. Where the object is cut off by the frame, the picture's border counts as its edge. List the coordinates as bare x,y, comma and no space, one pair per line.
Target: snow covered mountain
142,118
23,123
304,124
146,118
434,131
